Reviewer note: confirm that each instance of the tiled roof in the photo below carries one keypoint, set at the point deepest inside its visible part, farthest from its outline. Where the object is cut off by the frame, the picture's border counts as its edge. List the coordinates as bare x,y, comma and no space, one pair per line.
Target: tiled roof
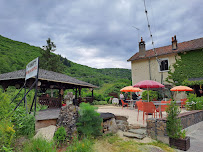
184,46
47,75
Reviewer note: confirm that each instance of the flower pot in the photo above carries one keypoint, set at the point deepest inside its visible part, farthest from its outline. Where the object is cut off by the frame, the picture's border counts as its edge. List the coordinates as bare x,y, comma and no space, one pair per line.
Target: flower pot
182,144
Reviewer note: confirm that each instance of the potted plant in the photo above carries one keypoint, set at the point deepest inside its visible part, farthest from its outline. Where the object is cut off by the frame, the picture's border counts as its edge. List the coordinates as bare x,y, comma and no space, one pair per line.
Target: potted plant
177,138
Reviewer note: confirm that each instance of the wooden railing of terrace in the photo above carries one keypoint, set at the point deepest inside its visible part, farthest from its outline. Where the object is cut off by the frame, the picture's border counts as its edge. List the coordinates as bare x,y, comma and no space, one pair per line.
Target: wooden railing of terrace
50,102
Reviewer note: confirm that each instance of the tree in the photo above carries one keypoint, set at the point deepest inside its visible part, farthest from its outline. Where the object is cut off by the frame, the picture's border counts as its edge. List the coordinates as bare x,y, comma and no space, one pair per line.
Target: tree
49,60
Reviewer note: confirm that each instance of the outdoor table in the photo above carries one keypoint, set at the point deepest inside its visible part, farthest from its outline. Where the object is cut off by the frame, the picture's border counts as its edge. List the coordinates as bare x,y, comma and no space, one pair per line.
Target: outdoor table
132,102
159,104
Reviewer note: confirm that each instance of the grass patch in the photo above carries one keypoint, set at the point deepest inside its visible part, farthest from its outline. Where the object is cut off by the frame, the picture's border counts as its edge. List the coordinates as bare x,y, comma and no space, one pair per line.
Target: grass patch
115,144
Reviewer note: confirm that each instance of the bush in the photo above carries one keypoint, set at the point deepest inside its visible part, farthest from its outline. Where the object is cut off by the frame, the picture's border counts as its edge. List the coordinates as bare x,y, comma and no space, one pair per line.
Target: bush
24,123
7,133
99,102
39,145
194,102
89,121
153,95
60,135
173,124
84,145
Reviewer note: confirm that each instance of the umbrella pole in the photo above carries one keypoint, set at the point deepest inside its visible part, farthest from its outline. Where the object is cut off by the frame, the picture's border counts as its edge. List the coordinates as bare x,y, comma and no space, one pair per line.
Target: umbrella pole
148,94
131,95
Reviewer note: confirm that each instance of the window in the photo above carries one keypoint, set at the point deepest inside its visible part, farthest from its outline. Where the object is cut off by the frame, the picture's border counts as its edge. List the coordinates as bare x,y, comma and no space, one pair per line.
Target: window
164,65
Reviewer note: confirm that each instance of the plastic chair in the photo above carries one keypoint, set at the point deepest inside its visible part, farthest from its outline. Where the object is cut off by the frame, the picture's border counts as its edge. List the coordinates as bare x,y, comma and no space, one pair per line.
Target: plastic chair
148,107
163,107
139,107
123,103
183,103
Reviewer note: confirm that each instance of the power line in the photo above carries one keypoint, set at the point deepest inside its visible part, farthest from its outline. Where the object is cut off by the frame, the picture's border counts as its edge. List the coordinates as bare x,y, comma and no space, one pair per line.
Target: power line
149,28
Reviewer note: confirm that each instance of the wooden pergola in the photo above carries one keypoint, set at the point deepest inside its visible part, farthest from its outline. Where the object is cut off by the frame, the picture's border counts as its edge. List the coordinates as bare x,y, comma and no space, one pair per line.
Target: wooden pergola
47,80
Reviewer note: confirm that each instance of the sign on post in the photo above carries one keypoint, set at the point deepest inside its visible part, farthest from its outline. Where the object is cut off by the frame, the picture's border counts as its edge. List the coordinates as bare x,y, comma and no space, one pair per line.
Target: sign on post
32,68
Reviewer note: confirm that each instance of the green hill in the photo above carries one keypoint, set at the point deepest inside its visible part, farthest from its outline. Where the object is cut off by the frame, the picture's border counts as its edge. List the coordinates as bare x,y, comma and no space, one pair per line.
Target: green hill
15,55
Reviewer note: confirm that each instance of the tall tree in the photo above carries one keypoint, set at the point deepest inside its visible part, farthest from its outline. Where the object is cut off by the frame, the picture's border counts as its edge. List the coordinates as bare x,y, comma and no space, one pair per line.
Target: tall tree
49,60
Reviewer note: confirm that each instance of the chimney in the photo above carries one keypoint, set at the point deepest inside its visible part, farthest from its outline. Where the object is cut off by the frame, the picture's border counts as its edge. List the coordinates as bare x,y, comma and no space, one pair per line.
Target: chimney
142,48
174,43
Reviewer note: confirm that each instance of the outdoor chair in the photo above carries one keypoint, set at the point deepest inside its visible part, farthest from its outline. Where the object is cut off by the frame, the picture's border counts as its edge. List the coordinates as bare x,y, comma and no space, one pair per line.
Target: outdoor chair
123,103
163,107
148,108
139,107
183,103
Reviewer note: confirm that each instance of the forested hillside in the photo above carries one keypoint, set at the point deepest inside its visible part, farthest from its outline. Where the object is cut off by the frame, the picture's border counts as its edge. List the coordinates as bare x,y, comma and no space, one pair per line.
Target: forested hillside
15,55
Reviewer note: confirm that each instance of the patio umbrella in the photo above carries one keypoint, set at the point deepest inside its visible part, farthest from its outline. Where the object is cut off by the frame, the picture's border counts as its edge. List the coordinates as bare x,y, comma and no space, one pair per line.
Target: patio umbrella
148,84
181,88
130,89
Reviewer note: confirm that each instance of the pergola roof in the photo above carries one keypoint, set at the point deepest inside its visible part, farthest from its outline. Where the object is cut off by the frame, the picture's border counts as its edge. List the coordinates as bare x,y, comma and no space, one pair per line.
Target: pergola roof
49,76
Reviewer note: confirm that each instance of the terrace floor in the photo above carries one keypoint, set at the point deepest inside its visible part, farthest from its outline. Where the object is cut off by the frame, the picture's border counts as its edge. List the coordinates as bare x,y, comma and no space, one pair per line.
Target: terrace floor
129,112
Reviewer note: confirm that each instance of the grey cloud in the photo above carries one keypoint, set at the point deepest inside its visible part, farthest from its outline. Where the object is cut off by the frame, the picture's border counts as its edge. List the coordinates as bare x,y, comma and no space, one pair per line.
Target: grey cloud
102,26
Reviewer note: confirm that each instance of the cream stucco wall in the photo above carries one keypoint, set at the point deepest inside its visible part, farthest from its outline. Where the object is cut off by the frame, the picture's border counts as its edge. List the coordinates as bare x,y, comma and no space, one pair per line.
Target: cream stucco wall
140,69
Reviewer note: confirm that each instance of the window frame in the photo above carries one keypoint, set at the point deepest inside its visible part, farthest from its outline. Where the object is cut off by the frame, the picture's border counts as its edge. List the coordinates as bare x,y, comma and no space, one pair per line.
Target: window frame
162,59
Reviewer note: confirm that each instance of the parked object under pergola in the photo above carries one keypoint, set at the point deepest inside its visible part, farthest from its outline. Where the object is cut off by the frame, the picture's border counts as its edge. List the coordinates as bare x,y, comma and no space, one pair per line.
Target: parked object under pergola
47,80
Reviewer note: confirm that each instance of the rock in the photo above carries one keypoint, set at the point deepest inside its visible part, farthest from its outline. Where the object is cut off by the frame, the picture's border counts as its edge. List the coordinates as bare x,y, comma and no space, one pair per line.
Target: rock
132,135
110,126
67,118
124,118
138,131
122,125
46,133
131,126
106,116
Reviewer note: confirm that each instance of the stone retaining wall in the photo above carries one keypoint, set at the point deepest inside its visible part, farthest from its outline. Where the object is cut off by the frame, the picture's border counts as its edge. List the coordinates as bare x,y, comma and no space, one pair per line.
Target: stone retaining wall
156,128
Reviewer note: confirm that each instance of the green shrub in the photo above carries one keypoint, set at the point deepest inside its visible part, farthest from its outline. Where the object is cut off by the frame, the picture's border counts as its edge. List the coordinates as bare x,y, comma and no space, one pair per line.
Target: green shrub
173,124
152,95
60,135
84,145
7,133
194,102
24,123
89,121
39,145
99,102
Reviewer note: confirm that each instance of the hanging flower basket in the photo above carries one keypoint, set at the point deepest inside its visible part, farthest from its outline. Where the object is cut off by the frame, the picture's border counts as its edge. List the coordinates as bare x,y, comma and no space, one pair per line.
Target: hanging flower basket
182,144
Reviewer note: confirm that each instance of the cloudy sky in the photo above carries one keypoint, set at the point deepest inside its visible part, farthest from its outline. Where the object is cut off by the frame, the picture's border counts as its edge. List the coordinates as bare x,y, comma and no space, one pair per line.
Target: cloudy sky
100,33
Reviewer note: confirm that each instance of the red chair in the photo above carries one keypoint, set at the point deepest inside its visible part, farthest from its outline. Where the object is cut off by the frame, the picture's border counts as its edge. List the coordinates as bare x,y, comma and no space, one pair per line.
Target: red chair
163,107
123,103
148,107
183,103
139,107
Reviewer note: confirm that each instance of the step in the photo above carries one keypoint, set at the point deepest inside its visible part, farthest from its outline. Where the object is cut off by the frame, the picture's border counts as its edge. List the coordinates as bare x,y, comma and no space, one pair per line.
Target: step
132,135
138,131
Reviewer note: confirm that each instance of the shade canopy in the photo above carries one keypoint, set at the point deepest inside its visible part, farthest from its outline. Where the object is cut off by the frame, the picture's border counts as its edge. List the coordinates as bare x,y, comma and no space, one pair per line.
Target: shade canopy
181,88
130,89
149,84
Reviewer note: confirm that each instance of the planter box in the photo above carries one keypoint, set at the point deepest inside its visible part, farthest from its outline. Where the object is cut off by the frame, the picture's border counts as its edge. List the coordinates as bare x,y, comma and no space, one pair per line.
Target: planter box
182,144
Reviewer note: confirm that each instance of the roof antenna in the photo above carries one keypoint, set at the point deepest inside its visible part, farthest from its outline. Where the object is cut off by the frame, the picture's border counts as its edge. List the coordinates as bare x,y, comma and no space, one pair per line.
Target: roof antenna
138,33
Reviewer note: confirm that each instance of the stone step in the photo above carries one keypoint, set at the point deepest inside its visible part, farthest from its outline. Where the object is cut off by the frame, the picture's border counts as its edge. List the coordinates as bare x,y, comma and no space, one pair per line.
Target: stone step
46,133
138,131
132,135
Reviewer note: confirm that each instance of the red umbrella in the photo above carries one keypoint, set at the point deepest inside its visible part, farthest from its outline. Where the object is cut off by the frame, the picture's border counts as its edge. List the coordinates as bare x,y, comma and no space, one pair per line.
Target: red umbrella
148,84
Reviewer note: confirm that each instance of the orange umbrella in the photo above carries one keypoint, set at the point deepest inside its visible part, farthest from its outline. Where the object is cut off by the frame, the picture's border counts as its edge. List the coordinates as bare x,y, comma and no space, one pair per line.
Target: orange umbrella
130,89
181,88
